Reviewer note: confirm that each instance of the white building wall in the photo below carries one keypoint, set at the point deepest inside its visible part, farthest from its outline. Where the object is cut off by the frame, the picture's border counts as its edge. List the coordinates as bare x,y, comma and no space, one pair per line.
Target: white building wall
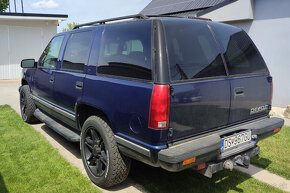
270,30
20,39
238,10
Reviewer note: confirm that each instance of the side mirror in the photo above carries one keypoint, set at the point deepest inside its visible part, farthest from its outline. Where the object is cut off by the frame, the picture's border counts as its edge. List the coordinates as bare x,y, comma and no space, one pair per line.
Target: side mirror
28,63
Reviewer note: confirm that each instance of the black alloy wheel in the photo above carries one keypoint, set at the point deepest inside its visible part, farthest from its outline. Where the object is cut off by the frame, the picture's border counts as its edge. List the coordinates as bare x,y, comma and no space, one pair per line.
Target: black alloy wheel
104,163
95,152
27,106
23,105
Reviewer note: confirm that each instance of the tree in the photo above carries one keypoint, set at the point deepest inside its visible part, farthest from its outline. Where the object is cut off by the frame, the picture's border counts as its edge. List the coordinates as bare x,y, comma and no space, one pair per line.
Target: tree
69,27
4,5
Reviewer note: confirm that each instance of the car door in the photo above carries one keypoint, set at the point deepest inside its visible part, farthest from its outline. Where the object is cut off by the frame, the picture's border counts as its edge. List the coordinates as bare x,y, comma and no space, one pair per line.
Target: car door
44,74
249,77
68,83
200,89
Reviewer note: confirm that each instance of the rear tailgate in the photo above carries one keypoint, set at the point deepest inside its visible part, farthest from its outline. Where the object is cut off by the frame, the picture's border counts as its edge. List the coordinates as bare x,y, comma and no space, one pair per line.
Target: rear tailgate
200,89
249,77
199,107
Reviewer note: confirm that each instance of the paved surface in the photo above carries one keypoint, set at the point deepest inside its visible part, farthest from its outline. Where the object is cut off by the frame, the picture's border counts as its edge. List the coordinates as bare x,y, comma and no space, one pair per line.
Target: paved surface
287,122
267,177
70,151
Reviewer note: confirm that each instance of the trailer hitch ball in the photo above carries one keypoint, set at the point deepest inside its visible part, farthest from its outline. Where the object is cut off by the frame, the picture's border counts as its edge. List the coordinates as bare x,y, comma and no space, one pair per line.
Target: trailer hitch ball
228,164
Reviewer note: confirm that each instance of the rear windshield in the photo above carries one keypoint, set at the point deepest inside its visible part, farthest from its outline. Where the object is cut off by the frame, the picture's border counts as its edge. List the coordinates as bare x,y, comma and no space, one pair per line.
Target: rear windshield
192,50
241,54
126,50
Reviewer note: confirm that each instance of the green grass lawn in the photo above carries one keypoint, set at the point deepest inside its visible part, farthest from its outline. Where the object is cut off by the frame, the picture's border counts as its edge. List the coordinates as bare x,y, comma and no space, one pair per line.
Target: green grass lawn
28,163
275,153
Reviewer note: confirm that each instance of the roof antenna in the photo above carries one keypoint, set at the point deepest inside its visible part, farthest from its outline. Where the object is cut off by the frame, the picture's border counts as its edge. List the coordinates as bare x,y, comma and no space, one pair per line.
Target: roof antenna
9,7
15,6
22,6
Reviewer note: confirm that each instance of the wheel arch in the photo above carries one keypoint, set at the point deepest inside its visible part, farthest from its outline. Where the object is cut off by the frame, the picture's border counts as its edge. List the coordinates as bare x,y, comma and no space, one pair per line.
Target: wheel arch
24,82
84,111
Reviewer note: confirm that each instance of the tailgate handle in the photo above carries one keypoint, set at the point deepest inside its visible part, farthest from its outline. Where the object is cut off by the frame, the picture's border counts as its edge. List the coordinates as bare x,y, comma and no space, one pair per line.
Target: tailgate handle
239,91
79,85
51,80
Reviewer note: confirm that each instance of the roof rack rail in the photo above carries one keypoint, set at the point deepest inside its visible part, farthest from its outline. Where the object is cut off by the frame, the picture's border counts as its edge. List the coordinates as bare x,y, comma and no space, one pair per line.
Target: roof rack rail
165,16
137,16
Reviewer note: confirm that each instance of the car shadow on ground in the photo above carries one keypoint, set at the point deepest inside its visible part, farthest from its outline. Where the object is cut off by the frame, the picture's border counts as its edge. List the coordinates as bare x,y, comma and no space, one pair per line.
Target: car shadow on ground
73,148
149,179
261,162
159,180
3,188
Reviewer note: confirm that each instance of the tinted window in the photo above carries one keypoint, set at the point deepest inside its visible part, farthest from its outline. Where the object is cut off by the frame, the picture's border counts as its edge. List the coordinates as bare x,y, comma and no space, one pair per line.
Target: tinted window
126,50
49,57
77,51
241,54
193,53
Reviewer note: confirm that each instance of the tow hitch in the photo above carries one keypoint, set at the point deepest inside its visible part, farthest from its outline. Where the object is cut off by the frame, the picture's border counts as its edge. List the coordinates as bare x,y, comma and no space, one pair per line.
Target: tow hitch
242,160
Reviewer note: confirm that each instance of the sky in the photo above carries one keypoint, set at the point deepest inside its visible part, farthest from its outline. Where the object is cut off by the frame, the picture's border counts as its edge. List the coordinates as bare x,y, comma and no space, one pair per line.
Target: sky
82,11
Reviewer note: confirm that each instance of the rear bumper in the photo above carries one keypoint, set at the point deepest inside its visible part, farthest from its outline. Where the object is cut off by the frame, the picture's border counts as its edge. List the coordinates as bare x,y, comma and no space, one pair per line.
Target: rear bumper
208,148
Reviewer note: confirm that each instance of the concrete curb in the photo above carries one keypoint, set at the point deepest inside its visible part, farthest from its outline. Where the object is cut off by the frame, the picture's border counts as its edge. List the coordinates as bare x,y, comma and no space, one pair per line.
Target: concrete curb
267,177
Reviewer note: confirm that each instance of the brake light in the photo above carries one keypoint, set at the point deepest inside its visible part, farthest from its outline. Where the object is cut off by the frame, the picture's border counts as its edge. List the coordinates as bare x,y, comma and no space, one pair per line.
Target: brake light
159,107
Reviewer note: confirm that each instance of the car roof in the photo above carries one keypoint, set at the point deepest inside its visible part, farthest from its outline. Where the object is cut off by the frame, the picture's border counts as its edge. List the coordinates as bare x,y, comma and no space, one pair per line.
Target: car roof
161,18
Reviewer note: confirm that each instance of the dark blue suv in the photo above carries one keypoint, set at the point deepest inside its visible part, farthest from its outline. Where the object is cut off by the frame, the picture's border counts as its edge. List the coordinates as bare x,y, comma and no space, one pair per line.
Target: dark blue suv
175,93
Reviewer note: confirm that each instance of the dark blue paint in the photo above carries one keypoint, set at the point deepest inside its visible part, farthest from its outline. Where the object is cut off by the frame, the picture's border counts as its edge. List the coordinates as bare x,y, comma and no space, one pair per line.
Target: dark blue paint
65,93
122,101
42,86
60,107
146,145
199,106
257,92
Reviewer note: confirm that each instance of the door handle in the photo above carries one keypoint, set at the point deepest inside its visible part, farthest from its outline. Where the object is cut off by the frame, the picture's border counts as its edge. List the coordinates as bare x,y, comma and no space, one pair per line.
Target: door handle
79,85
51,80
239,91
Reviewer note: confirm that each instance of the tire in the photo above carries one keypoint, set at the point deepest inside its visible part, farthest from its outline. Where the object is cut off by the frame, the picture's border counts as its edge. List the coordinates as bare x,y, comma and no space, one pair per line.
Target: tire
27,106
102,160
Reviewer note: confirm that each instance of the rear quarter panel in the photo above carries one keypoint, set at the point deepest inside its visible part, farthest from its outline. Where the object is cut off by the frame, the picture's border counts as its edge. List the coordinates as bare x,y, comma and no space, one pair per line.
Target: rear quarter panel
126,103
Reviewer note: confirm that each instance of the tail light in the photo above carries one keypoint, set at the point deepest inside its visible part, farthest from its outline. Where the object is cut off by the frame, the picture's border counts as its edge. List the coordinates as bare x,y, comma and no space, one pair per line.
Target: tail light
159,107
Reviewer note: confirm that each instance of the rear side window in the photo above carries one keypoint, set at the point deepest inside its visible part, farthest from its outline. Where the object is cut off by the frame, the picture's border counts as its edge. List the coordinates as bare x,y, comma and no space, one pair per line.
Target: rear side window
241,54
126,50
77,51
193,52
49,57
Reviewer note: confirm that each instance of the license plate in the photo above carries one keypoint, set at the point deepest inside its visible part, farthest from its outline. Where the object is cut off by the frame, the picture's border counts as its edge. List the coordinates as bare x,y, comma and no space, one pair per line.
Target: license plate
236,139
